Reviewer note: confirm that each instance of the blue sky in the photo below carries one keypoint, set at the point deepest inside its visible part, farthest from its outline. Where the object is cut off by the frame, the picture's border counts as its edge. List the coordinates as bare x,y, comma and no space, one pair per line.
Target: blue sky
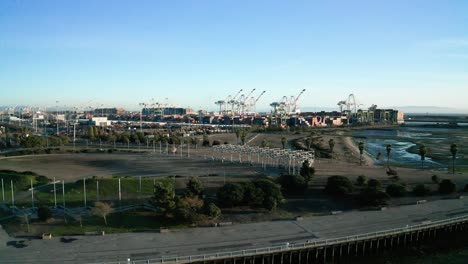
120,53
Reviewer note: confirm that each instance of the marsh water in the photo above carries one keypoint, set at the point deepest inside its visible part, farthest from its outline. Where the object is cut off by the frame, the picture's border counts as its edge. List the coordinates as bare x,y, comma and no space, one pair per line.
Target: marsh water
405,142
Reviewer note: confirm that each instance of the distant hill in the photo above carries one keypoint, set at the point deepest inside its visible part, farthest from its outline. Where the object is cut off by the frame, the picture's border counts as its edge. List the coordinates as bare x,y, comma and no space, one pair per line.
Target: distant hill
430,110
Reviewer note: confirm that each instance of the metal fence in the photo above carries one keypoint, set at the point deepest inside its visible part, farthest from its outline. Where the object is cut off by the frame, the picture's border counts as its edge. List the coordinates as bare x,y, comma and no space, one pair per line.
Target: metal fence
307,245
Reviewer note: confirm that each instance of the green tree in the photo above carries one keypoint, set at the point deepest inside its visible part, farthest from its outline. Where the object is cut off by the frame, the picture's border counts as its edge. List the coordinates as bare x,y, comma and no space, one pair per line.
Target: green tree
388,149
307,171
271,191
32,142
361,180
164,196
292,183
283,142
361,151
194,187
372,197
206,141
453,151
422,153
338,185
44,213
238,133
91,133
331,144
244,135
446,186
374,184
395,190
421,190
188,209
213,211
231,194
265,144
252,195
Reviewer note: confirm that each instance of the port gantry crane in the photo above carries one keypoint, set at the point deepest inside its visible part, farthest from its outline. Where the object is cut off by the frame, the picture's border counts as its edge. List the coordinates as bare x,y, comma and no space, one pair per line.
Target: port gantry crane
294,104
242,103
232,101
253,104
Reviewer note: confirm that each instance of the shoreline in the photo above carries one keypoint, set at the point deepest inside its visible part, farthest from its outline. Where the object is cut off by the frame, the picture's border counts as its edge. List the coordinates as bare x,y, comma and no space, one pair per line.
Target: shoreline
351,144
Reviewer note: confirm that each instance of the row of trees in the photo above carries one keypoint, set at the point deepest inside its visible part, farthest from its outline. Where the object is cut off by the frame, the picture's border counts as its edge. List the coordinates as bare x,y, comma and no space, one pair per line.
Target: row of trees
371,192
261,193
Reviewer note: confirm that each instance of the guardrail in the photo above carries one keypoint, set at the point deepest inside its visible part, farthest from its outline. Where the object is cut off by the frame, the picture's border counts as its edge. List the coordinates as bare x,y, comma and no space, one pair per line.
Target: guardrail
307,245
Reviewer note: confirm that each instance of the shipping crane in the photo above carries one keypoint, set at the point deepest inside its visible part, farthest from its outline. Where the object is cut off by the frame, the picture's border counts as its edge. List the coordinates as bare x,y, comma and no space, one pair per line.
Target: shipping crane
294,103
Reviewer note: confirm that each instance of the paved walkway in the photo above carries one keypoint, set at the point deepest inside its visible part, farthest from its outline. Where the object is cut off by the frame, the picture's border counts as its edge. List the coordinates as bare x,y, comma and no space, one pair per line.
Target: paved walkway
137,246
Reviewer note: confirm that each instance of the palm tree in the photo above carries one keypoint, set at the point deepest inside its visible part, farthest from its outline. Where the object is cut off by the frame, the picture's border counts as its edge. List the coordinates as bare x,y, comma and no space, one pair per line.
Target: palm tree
389,151
453,150
331,144
361,151
422,153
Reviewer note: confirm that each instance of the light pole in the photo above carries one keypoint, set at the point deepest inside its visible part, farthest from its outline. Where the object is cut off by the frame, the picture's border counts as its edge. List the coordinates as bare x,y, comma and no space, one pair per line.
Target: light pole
55,195
56,116
3,192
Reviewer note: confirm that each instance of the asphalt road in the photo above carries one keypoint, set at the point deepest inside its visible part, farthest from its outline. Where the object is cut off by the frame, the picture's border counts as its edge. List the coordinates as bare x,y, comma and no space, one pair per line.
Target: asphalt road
195,241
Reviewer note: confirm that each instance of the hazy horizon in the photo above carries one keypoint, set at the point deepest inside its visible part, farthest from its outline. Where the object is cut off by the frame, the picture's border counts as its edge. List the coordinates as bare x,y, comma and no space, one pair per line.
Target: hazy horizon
121,53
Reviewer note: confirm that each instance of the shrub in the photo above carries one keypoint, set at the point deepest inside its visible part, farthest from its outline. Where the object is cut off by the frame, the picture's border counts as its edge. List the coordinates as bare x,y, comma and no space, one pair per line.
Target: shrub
231,194
372,197
421,190
292,183
44,213
361,180
435,179
213,211
338,185
446,186
374,184
395,190
392,172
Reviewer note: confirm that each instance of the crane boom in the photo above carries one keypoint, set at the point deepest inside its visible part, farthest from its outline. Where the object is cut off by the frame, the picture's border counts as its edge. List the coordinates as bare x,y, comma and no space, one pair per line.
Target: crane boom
258,98
235,96
297,97
251,92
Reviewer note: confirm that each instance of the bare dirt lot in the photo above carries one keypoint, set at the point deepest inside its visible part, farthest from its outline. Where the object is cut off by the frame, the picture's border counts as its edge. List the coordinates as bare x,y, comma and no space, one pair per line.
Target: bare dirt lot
71,167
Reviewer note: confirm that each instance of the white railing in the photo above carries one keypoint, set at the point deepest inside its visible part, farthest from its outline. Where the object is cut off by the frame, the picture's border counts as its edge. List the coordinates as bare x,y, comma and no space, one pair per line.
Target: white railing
312,244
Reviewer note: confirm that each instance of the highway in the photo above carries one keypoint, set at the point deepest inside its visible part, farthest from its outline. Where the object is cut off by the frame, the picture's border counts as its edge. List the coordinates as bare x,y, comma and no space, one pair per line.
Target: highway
196,241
